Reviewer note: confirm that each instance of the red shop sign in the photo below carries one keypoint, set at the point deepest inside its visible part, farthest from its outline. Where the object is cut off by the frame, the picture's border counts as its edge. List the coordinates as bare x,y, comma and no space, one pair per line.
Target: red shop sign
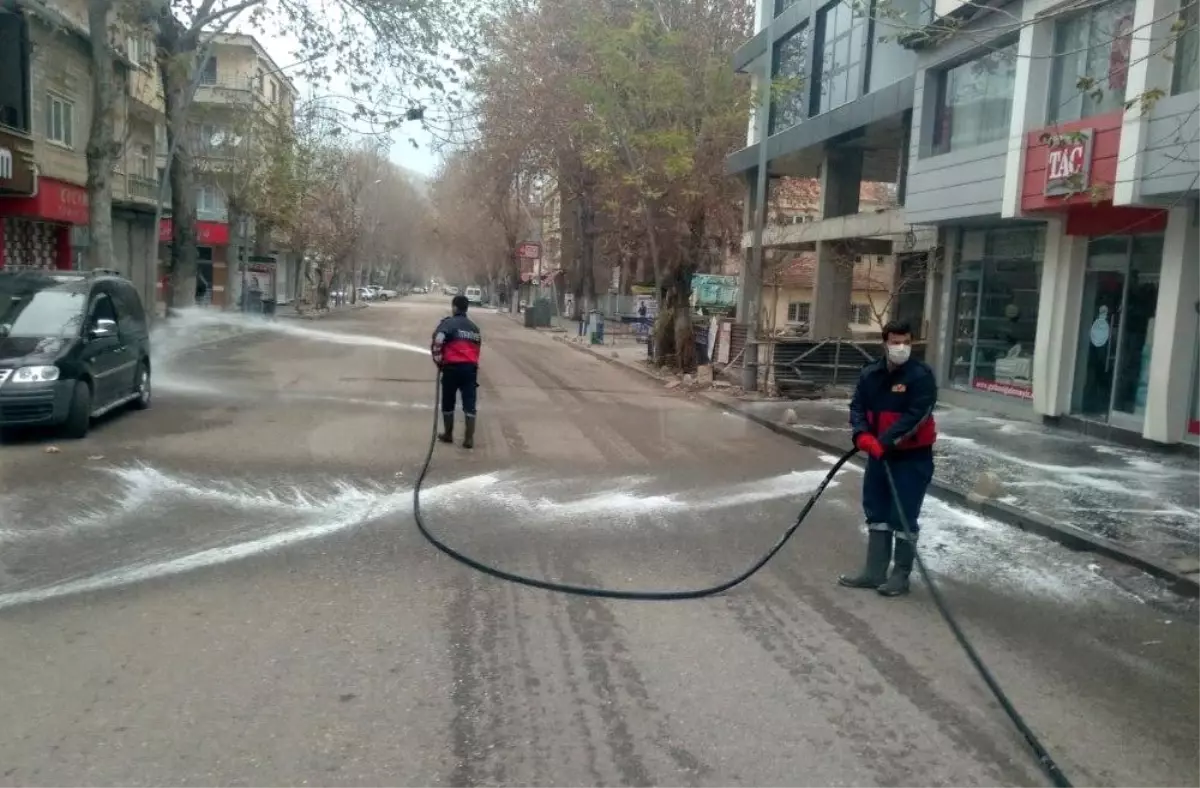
55,201
207,233
1069,163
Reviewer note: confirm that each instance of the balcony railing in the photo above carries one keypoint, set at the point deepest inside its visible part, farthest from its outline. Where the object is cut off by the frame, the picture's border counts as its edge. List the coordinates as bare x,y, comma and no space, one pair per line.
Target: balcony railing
141,187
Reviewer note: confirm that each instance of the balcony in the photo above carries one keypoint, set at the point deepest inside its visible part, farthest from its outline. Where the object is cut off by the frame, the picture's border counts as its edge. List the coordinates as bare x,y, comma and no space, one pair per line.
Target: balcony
230,93
135,189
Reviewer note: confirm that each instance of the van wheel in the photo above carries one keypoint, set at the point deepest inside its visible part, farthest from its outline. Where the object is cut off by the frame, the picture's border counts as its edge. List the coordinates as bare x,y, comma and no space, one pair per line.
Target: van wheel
141,387
79,417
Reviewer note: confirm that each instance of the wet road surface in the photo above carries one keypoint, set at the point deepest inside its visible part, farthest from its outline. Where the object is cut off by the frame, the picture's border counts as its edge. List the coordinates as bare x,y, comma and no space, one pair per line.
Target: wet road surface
228,589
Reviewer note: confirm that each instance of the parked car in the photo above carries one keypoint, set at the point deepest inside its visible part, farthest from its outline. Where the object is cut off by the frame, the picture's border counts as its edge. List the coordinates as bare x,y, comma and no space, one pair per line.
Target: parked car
73,346
450,290
383,293
365,294
474,295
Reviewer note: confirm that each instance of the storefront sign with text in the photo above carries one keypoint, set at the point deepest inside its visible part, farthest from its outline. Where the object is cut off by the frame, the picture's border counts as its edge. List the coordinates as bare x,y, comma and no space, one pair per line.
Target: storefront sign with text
207,233
16,164
1008,389
1068,163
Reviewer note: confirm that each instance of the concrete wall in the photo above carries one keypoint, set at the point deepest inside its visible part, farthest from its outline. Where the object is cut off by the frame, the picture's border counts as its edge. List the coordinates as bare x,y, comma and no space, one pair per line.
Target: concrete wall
962,183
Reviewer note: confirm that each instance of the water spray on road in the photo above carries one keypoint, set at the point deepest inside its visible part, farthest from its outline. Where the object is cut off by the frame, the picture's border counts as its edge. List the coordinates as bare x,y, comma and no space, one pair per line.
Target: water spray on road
194,327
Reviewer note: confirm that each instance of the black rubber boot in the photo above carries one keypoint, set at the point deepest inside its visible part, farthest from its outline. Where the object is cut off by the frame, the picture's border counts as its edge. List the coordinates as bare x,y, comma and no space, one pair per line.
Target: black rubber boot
897,582
879,554
448,423
469,436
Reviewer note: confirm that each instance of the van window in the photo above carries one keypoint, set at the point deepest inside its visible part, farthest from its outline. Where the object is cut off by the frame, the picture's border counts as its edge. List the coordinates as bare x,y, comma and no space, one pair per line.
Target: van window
102,309
129,304
43,313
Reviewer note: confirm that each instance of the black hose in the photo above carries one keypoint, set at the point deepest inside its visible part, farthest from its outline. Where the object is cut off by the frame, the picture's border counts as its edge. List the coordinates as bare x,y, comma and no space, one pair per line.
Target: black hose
1048,765
604,593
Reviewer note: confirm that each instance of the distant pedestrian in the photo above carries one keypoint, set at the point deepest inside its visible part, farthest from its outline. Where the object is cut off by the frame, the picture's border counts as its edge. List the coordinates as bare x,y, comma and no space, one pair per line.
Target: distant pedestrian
891,416
455,348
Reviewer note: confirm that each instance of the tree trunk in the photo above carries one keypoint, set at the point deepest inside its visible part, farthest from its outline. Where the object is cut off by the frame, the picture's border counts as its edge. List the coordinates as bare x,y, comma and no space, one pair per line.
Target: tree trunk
236,251
182,265
587,239
685,344
101,146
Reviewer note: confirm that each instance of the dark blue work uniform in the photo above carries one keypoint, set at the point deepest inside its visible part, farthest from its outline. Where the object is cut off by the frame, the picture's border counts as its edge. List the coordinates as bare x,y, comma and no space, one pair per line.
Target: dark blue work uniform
896,406
460,343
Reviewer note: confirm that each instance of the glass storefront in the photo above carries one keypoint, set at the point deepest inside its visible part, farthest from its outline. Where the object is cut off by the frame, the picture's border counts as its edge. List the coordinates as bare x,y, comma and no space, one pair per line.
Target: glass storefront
1116,330
996,310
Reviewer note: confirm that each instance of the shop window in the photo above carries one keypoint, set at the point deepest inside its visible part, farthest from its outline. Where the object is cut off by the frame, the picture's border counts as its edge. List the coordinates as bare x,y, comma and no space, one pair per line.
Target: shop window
996,311
843,40
1116,336
1091,62
1187,49
60,120
974,103
789,80
798,311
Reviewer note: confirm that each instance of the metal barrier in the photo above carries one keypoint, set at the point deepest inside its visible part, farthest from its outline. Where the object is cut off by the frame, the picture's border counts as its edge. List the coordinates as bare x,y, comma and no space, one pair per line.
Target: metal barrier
807,365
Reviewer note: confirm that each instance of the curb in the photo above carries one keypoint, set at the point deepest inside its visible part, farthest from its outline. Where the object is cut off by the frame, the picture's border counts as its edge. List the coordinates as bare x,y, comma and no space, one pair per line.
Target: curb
1066,535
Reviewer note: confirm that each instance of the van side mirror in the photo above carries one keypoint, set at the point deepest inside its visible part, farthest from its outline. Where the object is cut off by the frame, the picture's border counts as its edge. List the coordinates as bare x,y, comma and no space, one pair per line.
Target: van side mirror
102,328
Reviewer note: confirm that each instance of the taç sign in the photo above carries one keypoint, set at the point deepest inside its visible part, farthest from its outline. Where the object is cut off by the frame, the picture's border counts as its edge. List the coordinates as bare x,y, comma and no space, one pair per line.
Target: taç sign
529,251
1068,163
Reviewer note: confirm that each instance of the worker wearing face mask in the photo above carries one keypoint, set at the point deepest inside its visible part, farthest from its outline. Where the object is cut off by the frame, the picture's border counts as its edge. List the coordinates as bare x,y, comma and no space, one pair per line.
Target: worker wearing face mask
891,416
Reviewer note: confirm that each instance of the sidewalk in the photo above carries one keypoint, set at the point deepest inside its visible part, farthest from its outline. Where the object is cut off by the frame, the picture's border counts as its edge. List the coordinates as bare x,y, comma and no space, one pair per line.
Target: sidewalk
288,311
1138,507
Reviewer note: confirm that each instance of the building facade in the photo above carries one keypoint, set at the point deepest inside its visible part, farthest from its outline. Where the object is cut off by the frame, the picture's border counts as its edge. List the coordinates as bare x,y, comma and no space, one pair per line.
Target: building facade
240,89
1052,152
45,115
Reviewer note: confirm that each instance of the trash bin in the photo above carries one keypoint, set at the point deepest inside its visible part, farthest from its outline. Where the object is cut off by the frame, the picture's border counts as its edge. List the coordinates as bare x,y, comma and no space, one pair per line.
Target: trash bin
544,311
268,306
597,326
530,318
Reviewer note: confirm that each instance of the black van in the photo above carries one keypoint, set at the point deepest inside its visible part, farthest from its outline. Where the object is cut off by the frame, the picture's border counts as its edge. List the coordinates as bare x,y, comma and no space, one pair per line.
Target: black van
74,345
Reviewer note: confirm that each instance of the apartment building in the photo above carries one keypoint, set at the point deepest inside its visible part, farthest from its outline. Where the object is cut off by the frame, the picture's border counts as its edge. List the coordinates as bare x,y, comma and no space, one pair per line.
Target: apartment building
240,89
1062,206
45,115
835,103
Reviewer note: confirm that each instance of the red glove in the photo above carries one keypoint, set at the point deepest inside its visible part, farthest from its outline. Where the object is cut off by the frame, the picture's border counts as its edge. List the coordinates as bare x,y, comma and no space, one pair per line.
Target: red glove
868,444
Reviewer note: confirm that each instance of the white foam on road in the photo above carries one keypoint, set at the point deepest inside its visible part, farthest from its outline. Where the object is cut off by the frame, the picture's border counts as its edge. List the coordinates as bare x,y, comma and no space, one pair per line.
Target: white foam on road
346,509
341,506
619,504
960,544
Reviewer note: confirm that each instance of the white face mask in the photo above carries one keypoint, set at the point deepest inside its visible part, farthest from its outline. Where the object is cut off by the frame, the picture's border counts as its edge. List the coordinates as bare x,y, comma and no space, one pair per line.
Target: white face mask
898,354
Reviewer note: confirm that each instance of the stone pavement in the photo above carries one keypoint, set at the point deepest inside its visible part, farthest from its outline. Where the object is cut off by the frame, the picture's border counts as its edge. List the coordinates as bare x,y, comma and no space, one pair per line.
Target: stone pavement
1137,506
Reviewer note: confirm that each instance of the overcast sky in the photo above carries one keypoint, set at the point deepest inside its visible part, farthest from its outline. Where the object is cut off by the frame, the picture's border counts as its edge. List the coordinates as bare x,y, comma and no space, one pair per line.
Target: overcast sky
421,159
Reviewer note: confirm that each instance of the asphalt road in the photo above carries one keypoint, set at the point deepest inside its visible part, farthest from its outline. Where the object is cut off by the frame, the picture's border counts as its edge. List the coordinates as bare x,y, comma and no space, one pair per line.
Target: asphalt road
228,589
